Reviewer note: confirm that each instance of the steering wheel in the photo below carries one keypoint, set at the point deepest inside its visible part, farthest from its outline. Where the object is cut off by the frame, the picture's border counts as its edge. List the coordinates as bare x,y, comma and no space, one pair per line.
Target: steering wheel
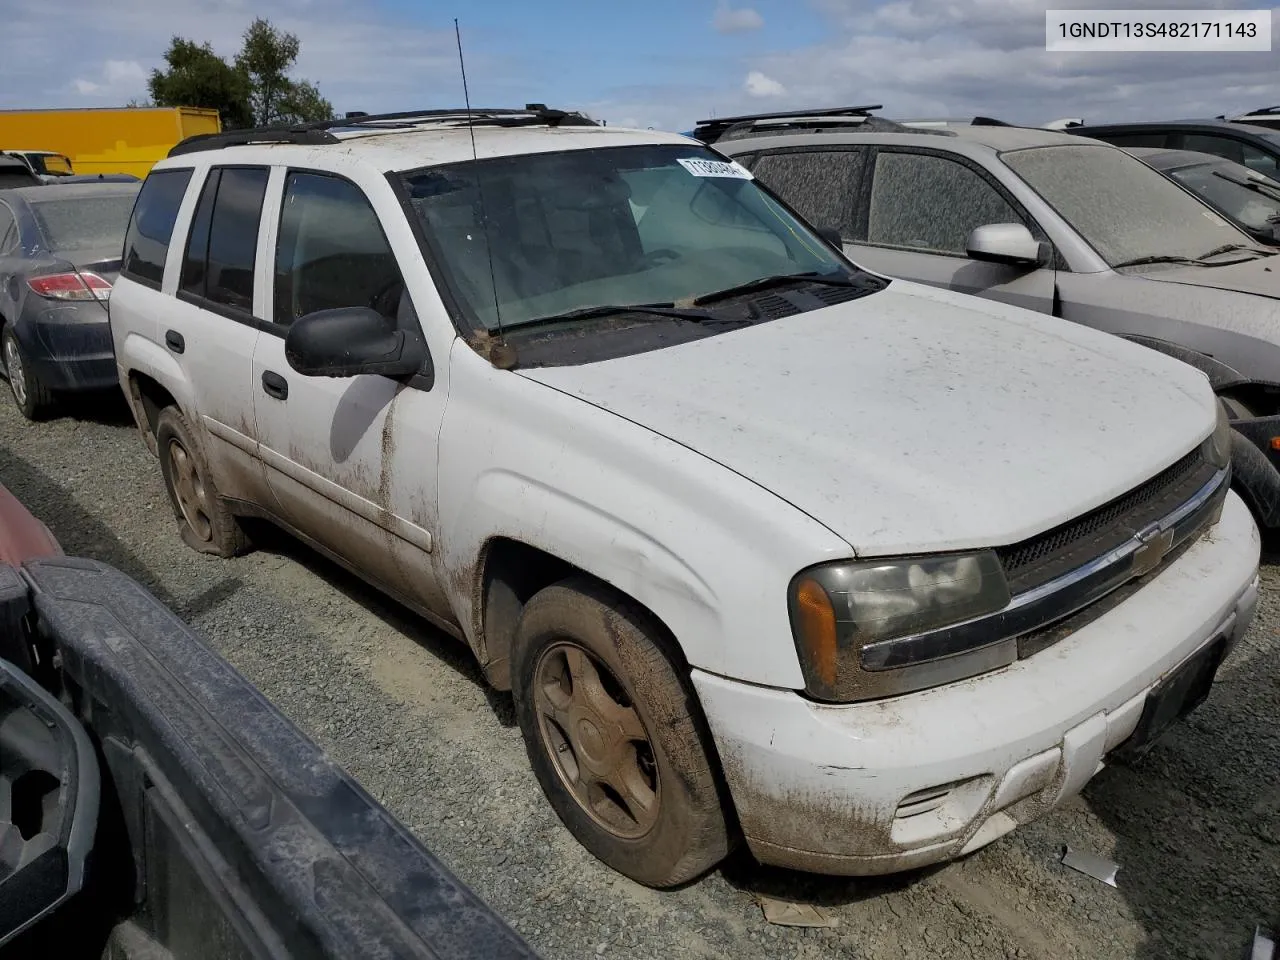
382,301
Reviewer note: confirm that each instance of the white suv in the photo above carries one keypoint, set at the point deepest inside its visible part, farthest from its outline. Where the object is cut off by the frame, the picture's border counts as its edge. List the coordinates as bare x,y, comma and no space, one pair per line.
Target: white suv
764,545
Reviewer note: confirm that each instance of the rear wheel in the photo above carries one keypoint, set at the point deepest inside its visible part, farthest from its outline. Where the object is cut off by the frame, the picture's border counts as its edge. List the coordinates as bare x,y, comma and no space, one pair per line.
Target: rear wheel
203,518
33,399
614,735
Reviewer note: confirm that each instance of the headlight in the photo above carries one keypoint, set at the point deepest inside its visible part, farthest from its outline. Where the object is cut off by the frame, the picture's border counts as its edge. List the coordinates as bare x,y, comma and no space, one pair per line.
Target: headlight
840,610
1217,449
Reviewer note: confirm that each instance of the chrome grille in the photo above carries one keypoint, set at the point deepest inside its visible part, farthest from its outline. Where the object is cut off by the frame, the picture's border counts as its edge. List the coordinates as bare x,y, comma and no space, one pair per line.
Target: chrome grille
1045,556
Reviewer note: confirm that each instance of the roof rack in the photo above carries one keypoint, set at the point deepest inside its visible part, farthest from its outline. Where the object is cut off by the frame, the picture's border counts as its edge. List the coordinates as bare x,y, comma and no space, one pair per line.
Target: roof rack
1262,112
718,128
318,132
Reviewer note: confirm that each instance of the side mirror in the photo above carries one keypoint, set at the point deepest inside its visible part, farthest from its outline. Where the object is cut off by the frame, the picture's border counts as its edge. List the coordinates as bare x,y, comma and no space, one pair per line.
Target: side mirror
832,236
1010,243
350,341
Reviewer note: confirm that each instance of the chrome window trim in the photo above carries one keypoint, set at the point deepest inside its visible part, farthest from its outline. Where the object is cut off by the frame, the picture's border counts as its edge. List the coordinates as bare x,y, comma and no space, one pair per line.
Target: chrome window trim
1043,605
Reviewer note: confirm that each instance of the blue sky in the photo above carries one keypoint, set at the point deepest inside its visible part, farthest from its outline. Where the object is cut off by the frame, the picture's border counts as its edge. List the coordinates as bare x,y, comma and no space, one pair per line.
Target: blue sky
663,63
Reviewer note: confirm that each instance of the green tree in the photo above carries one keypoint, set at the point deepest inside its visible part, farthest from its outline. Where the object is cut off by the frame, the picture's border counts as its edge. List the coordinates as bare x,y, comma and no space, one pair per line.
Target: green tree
255,90
198,77
265,59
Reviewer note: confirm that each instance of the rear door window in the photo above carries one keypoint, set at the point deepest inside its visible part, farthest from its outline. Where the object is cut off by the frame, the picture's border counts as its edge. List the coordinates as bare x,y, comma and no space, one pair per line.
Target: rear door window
147,242
1219,146
223,245
8,232
924,202
1153,139
821,185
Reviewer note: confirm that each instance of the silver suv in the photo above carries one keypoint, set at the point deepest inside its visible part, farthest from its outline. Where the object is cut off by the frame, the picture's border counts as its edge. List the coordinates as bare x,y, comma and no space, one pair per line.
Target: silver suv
1050,221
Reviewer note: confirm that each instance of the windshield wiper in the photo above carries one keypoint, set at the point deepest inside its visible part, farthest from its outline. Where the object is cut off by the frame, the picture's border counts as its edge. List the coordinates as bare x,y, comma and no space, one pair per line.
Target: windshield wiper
1266,189
1139,261
617,309
1231,247
777,280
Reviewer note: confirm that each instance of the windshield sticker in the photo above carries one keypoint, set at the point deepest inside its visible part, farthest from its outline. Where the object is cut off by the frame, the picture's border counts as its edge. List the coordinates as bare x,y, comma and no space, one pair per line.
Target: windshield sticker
716,168
1213,218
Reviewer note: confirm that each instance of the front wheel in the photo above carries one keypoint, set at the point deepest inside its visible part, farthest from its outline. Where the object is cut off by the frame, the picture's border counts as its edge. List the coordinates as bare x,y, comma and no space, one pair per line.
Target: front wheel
615,737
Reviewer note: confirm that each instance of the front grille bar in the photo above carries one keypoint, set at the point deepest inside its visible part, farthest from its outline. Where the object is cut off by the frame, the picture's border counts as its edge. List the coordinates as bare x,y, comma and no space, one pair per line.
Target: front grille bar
1048,603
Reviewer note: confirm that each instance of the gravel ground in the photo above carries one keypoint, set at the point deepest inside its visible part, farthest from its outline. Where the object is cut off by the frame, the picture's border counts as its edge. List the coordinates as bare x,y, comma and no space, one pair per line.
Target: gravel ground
1196,826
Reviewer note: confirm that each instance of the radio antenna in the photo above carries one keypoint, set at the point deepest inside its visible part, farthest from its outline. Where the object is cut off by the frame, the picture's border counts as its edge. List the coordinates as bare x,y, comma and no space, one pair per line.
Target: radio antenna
500,355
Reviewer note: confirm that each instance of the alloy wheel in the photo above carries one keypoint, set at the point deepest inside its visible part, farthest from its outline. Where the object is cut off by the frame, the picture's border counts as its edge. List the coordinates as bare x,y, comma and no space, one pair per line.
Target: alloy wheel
596,740
14,369
193,496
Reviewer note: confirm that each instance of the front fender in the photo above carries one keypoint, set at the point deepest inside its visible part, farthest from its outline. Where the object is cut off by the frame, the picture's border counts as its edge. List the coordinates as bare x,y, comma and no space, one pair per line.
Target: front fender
708,552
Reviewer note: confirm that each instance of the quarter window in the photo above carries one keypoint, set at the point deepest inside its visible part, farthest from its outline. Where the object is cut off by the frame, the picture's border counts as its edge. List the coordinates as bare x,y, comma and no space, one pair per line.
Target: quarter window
147,243
332,252
925,202
819,184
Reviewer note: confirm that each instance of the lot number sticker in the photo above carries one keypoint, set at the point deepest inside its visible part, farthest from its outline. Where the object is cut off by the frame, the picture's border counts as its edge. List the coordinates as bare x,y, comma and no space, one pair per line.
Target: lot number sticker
716,168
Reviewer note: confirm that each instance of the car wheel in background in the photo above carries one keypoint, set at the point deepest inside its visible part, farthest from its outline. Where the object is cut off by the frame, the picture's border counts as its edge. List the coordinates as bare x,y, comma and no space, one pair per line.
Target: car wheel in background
203,518
615,735
33,398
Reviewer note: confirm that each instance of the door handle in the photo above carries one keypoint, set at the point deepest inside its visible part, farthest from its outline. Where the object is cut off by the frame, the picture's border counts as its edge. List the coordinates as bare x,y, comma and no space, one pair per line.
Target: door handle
275,385
174,341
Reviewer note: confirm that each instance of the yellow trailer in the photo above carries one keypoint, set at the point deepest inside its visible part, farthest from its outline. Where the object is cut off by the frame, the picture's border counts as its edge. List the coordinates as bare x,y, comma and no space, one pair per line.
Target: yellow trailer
106,139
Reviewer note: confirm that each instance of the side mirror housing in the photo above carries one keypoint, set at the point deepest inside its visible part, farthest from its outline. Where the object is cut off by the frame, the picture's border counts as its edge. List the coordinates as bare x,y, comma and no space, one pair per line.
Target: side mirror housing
1010,243
351,341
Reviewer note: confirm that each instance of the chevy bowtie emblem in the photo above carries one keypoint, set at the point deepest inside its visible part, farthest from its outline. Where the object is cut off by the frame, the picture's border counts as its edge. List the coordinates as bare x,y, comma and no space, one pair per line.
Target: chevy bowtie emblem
1155,544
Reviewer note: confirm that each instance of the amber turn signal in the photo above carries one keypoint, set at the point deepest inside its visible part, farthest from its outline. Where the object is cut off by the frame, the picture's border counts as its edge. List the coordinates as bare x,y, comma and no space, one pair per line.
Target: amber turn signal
816,619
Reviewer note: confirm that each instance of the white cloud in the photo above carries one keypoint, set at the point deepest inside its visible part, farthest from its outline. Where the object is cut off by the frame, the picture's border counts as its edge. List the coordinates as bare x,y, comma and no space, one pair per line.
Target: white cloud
758,84
360,57
119,80
123,72
740,20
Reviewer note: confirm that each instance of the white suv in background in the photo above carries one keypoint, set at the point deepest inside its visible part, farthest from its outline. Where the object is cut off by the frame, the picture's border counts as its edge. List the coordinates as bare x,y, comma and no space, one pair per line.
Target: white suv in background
764,545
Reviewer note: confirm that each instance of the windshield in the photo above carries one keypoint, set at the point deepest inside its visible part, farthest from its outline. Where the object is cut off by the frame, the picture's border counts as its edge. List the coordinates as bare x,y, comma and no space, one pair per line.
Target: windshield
53,164
620,225
1257,206
1120,206
86,223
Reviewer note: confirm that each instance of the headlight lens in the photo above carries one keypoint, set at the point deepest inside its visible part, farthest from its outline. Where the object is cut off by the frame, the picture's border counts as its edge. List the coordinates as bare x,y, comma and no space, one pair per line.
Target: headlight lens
1217,449
838,609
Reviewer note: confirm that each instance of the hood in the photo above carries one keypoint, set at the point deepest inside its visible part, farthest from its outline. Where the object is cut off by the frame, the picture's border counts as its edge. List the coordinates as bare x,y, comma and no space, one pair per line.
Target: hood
915,419
1260,276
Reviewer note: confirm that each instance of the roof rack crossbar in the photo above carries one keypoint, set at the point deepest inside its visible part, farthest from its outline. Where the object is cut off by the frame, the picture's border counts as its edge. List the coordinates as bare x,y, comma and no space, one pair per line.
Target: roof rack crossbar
239,138
862,111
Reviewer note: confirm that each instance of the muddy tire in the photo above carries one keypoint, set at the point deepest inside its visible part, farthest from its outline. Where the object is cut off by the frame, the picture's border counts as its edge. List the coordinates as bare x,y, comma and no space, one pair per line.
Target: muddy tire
204,521
33,399
615,736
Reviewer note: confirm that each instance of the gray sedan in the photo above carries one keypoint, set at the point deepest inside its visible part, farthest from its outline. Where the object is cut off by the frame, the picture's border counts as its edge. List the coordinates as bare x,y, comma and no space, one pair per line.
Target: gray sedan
59,254
1056,223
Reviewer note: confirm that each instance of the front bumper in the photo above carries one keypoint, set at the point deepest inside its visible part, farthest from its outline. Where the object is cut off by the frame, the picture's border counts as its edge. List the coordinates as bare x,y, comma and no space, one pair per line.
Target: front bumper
900,783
